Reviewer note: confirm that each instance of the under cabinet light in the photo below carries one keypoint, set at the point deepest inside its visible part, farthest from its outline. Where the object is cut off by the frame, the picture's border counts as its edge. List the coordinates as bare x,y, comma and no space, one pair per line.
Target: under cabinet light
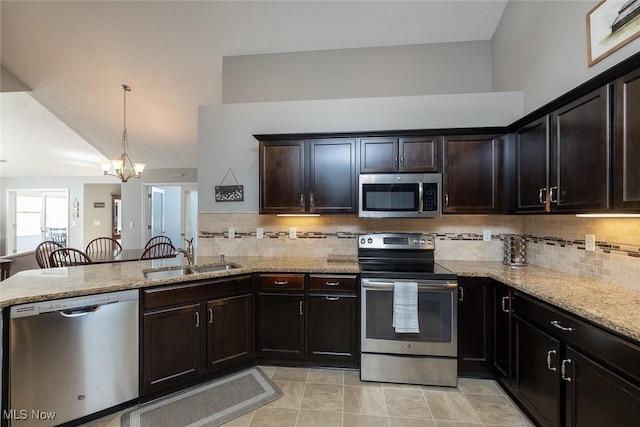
298,215
609,215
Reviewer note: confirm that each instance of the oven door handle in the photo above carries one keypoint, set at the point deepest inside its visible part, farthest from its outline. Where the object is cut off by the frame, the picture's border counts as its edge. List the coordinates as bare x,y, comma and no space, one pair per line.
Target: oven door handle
388,285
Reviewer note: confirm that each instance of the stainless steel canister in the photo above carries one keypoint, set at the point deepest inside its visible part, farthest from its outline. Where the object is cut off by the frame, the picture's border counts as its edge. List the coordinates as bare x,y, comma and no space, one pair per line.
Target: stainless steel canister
515,250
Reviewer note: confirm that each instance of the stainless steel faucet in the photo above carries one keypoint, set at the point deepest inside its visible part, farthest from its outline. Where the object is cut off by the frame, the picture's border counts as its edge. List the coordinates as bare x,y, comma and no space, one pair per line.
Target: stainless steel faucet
186,254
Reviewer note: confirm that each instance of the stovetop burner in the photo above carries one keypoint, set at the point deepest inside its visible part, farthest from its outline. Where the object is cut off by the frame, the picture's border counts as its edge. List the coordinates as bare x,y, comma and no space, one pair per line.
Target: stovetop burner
401,255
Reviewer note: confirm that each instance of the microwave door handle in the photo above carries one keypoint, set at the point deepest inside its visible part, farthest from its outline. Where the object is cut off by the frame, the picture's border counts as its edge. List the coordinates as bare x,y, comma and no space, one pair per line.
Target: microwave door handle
420,197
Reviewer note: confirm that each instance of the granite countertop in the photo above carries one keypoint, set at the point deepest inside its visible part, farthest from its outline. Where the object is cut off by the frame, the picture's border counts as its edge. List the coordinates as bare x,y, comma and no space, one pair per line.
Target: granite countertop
613,307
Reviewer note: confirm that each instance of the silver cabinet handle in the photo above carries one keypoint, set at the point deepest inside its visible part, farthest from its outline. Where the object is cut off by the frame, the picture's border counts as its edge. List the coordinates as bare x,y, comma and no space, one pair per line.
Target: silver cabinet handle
401,160
395,161
549,367
563,370
504,304
197,319
281,282
301,310
332,283
302,201
562,328
312,200
332,298
461,297
446,199
551,191
542,195
210,315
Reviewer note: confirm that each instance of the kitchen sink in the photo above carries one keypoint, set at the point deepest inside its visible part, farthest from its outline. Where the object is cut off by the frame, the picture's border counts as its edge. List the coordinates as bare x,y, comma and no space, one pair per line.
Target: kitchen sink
214,267
167,273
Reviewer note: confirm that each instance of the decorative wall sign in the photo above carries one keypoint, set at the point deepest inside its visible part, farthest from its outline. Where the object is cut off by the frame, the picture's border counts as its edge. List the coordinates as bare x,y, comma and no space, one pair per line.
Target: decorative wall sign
229,193
611,24
98,205
76,208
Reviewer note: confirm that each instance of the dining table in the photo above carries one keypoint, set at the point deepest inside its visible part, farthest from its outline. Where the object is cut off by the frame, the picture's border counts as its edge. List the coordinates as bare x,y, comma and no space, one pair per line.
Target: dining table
116,256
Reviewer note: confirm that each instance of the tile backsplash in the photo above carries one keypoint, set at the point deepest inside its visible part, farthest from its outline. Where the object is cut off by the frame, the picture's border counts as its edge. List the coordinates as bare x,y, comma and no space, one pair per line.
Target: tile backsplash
553,241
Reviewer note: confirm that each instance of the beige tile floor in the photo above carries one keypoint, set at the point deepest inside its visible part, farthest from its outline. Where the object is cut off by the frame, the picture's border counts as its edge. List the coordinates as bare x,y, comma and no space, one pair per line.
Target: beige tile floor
328,397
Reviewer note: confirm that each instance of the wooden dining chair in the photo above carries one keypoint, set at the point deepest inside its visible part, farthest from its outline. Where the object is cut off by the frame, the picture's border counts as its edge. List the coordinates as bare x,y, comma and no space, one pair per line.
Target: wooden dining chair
5,268
159,250
43,252
68,257
103,244
158,239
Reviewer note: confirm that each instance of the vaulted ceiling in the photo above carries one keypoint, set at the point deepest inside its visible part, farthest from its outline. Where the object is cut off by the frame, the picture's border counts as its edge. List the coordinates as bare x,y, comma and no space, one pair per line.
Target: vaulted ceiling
74,55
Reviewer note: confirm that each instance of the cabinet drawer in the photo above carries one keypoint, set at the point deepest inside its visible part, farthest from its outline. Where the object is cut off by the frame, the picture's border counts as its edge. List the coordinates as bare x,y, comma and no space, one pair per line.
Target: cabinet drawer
173,295
619,354
332,283
281,281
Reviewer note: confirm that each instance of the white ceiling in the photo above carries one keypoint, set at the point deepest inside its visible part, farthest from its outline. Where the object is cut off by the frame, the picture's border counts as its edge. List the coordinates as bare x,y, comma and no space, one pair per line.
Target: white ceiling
74,56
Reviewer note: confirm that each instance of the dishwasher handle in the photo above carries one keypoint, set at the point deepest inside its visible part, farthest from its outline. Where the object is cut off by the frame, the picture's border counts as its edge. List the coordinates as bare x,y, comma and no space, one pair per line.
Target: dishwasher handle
78,312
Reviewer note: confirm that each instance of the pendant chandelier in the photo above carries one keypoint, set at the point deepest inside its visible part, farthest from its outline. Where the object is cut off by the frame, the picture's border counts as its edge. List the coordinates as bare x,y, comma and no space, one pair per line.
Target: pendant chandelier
123,167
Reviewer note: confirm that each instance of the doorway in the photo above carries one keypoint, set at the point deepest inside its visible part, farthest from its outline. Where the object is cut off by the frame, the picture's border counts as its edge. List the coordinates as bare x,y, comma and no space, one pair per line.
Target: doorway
172,212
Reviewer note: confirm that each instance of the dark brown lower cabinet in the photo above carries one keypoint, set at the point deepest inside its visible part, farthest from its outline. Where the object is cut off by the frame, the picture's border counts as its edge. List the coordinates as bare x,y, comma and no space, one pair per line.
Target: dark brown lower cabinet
501,311
536,382
194,331
569,372
475,334
596,396
307,320
229,331
331,328
280,326
171,346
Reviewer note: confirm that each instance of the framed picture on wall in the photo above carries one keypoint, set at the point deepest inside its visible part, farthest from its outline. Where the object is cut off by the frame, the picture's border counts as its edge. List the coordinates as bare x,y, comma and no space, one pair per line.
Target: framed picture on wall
611,24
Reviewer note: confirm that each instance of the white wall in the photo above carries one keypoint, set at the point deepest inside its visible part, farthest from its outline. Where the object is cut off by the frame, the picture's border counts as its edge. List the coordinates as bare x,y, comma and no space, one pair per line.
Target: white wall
225,131
427,69
540,47
98,221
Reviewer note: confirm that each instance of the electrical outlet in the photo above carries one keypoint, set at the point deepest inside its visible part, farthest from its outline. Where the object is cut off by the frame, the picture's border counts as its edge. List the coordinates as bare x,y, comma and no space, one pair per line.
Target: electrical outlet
232,233
131,224
590,242
292,232
259,233
96,222
486,235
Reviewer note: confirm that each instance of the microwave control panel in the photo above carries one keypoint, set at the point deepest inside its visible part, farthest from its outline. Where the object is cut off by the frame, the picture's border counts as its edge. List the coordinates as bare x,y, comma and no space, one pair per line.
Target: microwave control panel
429,196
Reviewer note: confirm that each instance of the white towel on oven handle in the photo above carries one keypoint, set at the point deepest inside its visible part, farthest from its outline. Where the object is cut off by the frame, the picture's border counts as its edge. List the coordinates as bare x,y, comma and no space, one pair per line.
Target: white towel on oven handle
405,307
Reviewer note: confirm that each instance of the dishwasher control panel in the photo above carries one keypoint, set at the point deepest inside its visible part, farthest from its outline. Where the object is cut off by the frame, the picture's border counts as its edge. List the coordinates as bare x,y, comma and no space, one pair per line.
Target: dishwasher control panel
33,309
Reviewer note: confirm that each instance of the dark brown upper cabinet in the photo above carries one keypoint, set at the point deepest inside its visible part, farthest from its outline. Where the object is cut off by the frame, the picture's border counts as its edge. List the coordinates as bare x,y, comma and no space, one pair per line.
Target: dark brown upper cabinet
390,155
471,173
562,159
532,166
626,189
580,158
312,176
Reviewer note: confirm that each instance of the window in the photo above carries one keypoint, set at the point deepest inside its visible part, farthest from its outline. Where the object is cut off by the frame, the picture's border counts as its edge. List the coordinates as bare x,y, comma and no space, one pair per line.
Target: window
37,215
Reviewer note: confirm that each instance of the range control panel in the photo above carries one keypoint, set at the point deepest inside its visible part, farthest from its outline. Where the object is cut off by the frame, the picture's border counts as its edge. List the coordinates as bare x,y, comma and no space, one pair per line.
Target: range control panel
397,241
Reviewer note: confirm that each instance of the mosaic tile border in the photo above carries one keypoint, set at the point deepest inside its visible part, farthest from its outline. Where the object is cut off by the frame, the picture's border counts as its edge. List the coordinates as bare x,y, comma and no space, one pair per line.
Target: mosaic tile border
605,247
338,235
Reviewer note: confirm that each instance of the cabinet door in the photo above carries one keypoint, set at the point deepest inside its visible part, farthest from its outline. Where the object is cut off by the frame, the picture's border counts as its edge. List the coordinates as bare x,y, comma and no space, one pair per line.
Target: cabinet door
580,173
537,380
229,331
595,396
502,333
471,174
626,193
474,327
332,333
332,175
282,170
171,347
419,154
280,326
378,155
532,167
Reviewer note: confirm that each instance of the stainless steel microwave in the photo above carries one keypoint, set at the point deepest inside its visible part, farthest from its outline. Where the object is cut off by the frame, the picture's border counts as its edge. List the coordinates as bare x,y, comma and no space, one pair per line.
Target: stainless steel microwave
400,195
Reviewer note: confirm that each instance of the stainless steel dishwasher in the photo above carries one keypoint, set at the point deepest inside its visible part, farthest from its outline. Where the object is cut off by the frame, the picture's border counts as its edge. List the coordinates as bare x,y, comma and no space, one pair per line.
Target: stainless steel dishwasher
72,357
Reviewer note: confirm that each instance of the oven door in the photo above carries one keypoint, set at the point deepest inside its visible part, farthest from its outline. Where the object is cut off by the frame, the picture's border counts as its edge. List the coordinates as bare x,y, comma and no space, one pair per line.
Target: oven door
437,319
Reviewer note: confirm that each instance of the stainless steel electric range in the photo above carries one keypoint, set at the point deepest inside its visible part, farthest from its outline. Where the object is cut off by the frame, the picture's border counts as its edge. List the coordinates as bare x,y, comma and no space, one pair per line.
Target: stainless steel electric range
389,263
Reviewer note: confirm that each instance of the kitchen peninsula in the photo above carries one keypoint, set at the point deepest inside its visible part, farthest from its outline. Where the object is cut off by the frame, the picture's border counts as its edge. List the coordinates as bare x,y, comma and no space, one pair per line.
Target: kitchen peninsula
591,309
